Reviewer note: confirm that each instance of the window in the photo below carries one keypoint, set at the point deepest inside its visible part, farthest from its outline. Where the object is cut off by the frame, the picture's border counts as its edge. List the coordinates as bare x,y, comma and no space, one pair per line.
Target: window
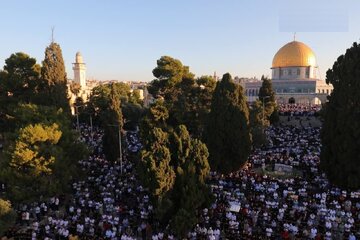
327,91
281,72
307,71
298,71
289,72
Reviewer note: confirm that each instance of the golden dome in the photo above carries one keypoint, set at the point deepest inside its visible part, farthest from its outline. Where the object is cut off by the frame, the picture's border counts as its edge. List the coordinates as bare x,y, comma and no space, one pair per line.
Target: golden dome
294,54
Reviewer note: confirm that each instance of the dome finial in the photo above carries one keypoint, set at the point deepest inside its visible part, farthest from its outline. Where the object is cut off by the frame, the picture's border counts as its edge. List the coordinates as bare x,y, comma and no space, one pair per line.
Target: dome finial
294,36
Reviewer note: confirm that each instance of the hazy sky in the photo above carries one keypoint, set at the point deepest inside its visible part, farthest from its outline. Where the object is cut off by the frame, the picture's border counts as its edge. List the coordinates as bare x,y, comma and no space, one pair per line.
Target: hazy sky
122,39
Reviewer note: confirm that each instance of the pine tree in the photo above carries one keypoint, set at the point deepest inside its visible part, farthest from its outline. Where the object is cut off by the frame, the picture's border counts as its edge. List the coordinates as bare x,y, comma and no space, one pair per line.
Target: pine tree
53,73
340,152
228,137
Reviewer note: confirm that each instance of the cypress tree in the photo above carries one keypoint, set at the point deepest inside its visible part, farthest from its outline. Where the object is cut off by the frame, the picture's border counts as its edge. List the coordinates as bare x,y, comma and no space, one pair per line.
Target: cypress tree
267,96
157,174
340,135
228,136
54,78
113,116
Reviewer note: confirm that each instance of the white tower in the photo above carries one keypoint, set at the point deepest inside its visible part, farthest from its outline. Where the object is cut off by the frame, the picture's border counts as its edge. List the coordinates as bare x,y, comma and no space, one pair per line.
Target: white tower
79,68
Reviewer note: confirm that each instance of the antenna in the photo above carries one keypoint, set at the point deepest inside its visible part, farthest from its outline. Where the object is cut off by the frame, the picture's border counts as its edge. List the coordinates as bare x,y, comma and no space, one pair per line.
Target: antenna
52,34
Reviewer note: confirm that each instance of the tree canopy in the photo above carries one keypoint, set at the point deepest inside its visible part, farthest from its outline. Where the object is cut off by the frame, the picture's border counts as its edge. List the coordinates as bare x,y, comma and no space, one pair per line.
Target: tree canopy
41,153
19,80
187,98
174,167
340,152
228,134
54,80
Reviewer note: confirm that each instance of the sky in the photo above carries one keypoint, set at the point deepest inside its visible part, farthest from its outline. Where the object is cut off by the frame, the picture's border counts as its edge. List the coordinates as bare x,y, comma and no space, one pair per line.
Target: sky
122,39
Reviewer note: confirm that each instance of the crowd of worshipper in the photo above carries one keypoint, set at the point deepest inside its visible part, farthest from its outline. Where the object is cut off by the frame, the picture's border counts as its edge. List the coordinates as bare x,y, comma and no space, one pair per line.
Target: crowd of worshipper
253,204
248,204
105,205
298,109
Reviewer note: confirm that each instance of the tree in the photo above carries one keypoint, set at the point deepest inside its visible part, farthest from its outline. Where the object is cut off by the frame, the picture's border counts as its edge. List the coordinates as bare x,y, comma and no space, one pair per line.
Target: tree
7,216
75,88
174,167
190,159
112,118
193,103
340,134
42,155
187,99
157,173
228,134
257,124
267,96
169,72
34,149
18,80
100,98
54,87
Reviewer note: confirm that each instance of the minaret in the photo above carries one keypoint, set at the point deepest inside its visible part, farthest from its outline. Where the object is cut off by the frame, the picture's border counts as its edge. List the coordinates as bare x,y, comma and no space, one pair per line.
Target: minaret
215,77
79,68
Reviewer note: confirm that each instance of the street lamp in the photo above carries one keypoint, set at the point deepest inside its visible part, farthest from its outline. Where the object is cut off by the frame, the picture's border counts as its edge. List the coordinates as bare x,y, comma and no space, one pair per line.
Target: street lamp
77,119
120,152
263,108
120,146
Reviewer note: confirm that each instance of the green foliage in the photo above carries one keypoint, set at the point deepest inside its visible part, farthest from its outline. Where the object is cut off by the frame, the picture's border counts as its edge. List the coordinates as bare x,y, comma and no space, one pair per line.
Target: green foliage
187,99
54,88
267,97
100,98
35,149
257,124
228,134
157,174
174,167
42,156
193,103
155,116
7,216
19,83
169,72
340,153
112,119
182,222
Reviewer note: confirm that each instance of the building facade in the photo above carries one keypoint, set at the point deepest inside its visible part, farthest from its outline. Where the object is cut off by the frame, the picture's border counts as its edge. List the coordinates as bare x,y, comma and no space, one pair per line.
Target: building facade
295,77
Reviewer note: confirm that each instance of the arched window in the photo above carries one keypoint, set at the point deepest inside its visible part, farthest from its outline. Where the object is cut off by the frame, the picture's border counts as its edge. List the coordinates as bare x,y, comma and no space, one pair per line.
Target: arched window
298,71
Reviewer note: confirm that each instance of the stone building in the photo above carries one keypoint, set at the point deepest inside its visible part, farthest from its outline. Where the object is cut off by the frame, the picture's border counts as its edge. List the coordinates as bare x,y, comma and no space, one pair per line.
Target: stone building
295,77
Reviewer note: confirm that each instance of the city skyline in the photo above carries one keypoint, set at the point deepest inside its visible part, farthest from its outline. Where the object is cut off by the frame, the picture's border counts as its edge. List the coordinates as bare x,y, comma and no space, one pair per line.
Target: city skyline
123,40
